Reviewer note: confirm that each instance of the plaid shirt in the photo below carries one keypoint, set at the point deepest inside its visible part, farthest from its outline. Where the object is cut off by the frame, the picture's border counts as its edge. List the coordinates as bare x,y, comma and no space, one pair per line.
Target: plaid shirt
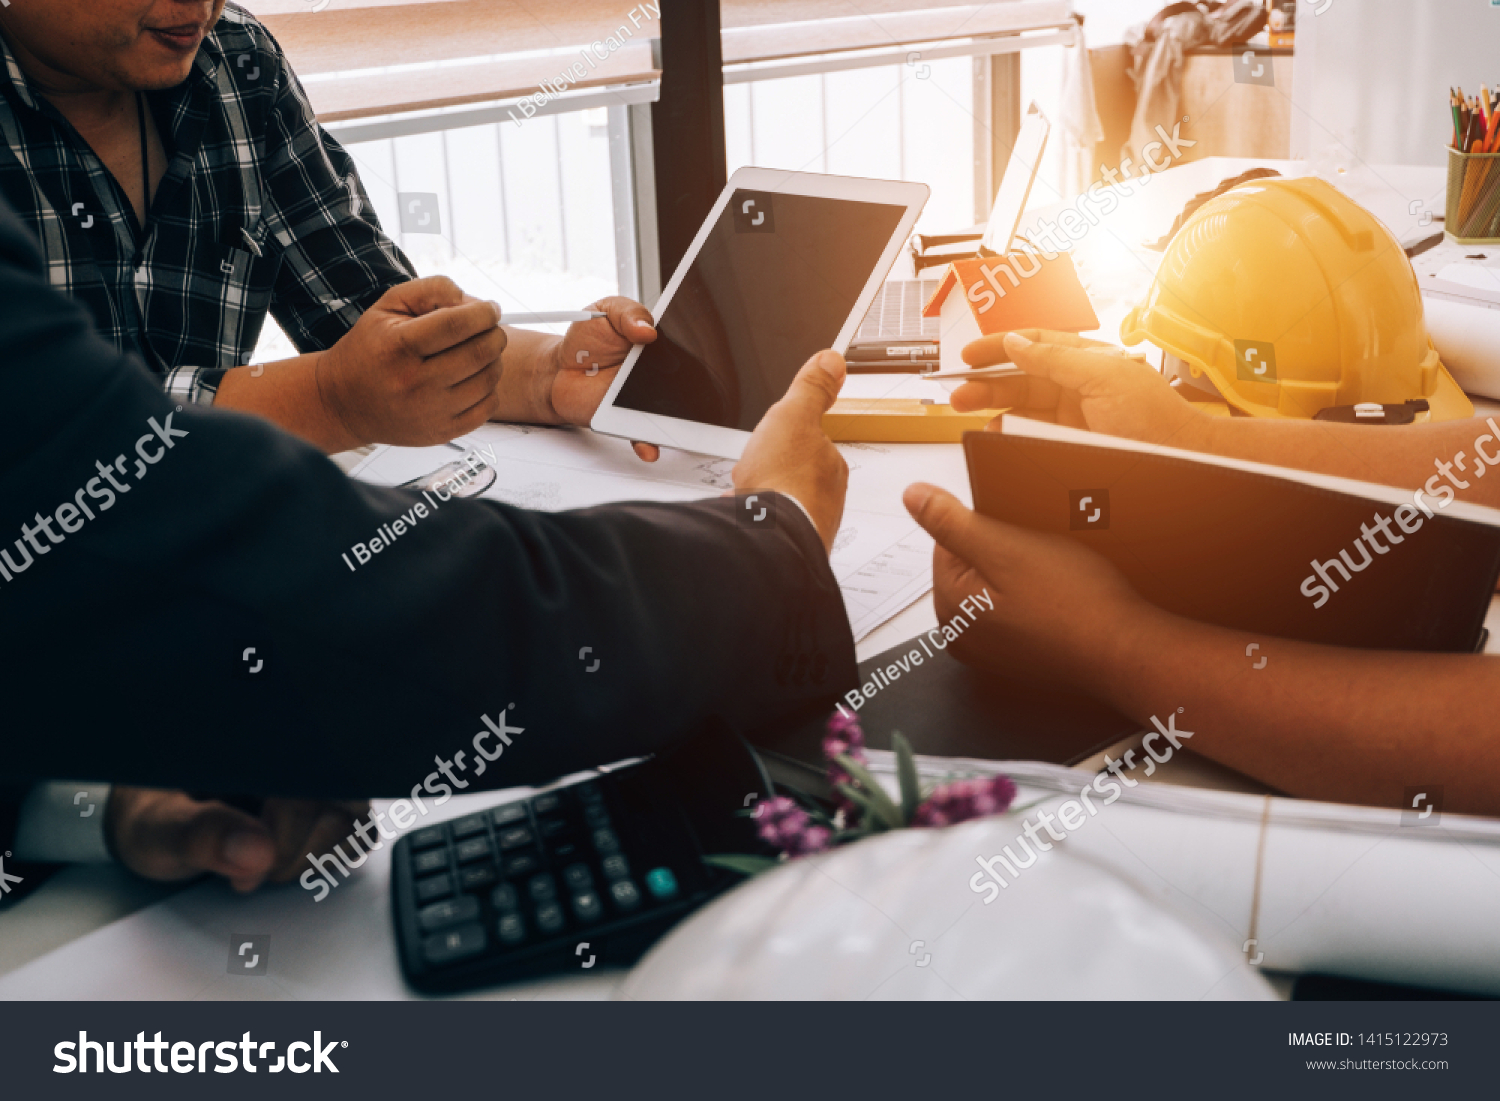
259,210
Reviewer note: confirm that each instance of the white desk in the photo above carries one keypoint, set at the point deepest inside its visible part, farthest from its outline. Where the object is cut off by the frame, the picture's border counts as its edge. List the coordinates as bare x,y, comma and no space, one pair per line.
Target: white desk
97,933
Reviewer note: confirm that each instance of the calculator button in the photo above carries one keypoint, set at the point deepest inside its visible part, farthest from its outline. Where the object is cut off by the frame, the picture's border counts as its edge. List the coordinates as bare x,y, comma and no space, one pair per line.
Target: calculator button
455,944
476,876
549,918
504,897
577,877
624,892
512,929
661,882
430,861
587,906
589,792
606,841
616,867
595,815
472,849
515,837
554,827
542,888
566,849
518,866
434,887
462,827
455,911
426,839
509,814
547,804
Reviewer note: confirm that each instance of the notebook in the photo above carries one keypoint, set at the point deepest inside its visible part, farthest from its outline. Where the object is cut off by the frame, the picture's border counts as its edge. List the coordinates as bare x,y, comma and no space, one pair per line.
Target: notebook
1250,546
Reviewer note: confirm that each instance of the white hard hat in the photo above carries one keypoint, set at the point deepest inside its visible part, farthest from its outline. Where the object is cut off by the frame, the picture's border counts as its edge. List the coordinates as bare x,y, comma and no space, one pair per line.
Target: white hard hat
896,916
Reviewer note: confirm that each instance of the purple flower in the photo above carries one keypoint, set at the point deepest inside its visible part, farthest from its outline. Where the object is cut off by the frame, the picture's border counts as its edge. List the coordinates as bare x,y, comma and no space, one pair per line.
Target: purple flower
963,800
844,737
783,824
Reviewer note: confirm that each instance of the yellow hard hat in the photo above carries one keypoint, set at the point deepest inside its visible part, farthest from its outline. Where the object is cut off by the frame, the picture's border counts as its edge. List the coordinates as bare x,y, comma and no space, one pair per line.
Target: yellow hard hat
1293,299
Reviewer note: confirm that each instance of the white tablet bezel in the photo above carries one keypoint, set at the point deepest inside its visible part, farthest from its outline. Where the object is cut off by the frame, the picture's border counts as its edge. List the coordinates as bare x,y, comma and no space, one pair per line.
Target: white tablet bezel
729,443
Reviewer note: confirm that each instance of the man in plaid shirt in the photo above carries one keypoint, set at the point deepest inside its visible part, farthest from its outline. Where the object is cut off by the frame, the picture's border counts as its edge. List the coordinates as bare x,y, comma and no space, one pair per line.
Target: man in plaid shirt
165,156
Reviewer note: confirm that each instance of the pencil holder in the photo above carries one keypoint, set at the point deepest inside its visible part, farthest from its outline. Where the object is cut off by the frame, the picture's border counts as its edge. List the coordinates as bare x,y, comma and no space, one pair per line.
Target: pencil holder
1473,213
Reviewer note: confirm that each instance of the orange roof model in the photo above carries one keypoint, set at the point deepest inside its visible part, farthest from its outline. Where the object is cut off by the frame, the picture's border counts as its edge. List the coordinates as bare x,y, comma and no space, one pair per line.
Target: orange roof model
1003,293
1019,291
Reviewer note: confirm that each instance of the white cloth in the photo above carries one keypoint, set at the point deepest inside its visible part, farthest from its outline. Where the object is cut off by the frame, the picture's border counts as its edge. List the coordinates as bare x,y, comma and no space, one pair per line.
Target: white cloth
1078,119
62,821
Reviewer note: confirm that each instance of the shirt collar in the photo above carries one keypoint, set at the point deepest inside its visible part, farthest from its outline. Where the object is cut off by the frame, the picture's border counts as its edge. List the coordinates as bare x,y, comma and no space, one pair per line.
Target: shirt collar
16,78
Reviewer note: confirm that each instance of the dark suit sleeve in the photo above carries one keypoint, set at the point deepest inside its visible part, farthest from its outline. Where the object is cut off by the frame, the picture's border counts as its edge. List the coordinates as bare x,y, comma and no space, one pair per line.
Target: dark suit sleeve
125,639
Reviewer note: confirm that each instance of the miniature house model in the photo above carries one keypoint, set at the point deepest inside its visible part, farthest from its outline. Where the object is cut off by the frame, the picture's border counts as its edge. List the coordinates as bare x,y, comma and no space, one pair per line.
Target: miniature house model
987,296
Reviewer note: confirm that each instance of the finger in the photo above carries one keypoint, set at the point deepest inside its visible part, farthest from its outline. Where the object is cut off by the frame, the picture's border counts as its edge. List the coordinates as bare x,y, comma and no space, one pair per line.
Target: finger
478,386
305,826
815,386
989,351
454,367
215,837
448,327
483,410
647,452
1071,367
422,296
974,538
332,827
628,318
1014,392
288,822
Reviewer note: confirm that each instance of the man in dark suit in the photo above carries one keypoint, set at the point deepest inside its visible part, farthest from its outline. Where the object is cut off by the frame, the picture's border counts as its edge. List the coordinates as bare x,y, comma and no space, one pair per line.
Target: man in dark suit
147,546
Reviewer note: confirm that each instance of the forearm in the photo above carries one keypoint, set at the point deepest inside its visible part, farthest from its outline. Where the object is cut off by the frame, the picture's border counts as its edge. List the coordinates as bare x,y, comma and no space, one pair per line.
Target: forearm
1356,726
525,386
287,394
1409,456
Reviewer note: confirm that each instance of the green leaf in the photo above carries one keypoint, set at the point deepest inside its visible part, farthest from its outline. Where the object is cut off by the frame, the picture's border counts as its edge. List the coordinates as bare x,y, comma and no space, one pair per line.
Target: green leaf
740,863
871,820
906,773
888,811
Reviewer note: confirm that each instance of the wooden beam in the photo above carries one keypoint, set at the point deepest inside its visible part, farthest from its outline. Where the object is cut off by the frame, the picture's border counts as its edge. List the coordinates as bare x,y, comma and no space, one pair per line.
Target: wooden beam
687,125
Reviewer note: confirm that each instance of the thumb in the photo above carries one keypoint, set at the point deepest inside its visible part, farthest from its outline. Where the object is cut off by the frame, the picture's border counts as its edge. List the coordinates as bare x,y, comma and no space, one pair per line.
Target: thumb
816,385
970,536
422,296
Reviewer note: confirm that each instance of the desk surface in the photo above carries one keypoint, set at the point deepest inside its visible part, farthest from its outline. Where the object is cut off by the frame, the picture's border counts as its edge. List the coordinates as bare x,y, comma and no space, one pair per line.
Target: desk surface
96,932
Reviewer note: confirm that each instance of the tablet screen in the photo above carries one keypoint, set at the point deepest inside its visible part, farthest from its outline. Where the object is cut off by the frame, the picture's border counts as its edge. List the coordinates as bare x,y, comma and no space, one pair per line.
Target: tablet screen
774,282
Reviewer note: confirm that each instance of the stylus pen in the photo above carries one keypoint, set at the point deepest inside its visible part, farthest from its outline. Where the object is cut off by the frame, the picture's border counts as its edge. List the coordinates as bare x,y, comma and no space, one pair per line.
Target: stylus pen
999,371
551,317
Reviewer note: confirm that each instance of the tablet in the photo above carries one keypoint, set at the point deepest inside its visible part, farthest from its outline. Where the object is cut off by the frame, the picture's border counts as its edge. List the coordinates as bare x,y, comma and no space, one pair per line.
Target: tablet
785,265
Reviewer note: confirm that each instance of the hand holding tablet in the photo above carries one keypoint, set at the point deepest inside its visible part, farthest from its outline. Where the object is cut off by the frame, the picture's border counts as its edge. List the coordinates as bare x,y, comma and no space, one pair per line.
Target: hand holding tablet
785,266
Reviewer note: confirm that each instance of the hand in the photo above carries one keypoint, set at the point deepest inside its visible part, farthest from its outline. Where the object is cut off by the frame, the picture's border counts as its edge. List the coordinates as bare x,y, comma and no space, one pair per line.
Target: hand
419,368
789,453
168,835
1061,613
1079,383
562,381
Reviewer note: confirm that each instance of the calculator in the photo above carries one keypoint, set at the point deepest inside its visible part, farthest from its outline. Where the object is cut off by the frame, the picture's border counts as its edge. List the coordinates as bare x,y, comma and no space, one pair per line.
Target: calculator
589,872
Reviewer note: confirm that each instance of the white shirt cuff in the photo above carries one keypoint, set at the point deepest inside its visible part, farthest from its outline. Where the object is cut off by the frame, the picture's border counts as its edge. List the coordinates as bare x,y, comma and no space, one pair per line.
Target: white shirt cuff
803,507
62,822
